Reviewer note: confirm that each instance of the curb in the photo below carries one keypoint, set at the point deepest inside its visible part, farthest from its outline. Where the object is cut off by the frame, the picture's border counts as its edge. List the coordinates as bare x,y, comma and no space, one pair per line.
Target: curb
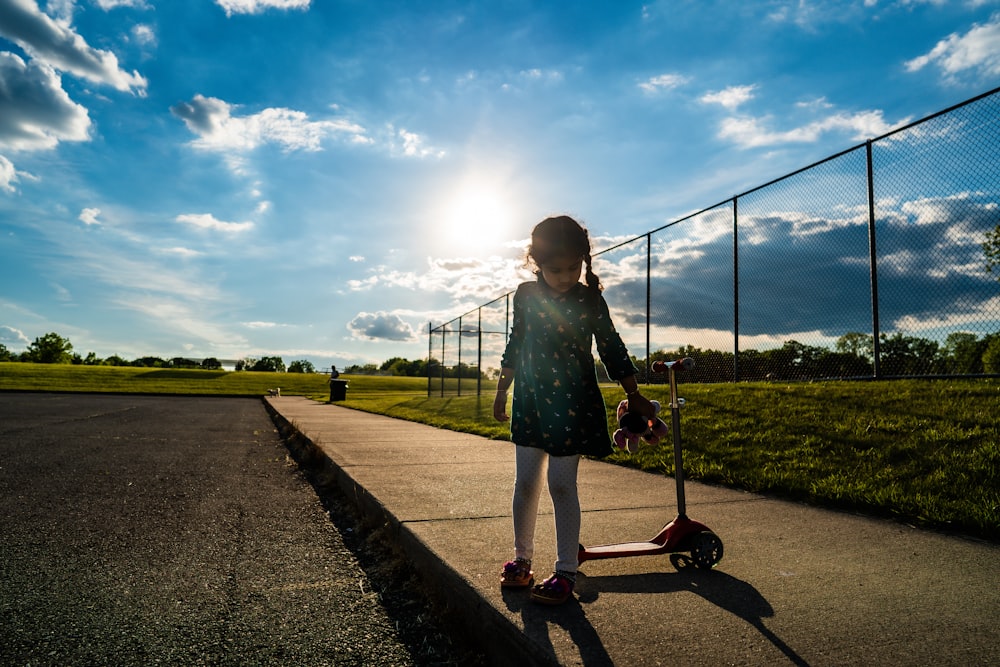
455,599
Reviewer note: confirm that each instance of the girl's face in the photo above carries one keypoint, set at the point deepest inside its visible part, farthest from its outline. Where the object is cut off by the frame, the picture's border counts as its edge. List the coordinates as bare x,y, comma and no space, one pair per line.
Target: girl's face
561,273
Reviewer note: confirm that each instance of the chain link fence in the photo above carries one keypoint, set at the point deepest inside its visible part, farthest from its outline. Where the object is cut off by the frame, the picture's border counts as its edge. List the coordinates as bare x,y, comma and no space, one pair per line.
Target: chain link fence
868,264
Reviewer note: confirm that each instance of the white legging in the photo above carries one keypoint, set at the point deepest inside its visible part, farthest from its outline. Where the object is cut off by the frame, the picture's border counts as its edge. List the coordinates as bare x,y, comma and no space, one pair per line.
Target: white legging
530,468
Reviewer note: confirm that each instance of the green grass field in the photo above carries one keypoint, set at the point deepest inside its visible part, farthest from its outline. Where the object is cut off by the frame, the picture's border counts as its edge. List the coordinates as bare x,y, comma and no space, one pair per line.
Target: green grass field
926,452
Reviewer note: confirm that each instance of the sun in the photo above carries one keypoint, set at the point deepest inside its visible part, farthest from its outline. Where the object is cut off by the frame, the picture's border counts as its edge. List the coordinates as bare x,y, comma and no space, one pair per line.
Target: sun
477,219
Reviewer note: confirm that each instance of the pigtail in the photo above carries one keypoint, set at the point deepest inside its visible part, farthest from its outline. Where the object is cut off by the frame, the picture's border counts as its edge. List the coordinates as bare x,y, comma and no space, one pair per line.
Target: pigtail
593,282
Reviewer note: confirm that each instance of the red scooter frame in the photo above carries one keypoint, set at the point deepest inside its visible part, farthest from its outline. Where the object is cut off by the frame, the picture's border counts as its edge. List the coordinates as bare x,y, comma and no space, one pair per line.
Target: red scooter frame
682,535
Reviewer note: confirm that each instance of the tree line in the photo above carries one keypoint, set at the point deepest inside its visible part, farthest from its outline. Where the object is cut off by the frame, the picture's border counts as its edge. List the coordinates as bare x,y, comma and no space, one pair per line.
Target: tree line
55,349
853,356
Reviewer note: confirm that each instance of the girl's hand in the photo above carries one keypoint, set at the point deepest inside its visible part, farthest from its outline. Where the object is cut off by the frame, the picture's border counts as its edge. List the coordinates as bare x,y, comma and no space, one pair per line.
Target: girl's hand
500,407
641,405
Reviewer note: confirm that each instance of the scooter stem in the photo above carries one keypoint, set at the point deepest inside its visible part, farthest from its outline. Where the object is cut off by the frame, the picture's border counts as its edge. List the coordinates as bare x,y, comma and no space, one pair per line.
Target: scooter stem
675,419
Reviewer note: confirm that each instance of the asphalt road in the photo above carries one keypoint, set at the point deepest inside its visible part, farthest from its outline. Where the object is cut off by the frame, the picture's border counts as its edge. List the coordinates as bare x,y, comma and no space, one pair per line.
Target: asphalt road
144,530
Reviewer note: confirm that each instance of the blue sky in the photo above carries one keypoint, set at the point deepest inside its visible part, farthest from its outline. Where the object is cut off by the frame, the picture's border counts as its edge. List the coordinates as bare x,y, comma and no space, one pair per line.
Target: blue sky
319,180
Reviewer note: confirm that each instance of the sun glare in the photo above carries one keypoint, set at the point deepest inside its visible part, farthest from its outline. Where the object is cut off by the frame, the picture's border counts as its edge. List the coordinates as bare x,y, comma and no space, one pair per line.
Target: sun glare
477,220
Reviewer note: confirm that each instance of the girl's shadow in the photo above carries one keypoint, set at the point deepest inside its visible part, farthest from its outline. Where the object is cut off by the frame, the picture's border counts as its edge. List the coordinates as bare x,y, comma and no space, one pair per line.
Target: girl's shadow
570,616
725,591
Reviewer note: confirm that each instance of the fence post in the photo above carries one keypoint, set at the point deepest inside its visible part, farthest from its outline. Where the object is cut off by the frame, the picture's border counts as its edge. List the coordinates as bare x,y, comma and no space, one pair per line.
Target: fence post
649,268
506,322
444,335
736,291
479,354
873,264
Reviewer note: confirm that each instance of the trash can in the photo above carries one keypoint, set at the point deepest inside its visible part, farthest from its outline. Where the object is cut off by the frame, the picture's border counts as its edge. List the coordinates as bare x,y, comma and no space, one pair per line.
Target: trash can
338,390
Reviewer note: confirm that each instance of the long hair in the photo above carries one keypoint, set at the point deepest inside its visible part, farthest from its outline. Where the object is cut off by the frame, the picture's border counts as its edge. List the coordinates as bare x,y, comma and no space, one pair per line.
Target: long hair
562,236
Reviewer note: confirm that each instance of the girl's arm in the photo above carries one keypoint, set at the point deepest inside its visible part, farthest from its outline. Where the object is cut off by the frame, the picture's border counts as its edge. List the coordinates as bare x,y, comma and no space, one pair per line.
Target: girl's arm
636,401
511,355
616,359
500,400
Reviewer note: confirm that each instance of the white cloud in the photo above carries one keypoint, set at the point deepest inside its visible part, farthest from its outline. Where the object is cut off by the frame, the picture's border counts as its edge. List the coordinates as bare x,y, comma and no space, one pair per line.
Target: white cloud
211,119
88,216
257,6
8,175
663,82
111,4
381,326
143,34
465,278
181,252
208,221
10,336
413,146
978,49
35,111
57,45
750,132
730,97
818,103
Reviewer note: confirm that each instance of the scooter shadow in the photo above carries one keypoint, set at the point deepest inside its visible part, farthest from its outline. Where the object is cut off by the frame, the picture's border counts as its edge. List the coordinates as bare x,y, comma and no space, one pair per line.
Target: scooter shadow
723,590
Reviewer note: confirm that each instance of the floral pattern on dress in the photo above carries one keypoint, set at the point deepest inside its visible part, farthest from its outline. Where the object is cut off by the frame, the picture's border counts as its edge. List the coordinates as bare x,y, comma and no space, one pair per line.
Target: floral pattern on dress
557,403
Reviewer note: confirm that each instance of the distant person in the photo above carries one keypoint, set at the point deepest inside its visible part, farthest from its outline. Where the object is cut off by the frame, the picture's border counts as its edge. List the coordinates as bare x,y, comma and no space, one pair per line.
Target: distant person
334,374
558,410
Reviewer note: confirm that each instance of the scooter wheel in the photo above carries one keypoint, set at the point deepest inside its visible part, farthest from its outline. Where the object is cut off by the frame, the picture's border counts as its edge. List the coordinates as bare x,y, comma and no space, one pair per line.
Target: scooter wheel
706,550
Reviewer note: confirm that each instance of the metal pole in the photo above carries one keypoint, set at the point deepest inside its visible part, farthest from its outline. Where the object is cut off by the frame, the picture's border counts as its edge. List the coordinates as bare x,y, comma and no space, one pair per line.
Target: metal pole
506,325
736,291
458,367
873,264
649,268
430,342
444,334
675,419
479,355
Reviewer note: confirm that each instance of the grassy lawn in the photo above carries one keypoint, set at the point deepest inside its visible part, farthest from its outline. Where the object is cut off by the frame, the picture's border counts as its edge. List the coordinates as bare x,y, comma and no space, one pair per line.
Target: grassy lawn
124,379
924,452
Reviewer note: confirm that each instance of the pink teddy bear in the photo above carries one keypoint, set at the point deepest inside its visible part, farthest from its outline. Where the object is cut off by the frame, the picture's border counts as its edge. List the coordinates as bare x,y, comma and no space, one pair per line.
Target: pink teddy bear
632,426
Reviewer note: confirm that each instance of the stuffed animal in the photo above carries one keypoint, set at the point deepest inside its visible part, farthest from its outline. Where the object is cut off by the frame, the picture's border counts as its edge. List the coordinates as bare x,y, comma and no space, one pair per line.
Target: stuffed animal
632,427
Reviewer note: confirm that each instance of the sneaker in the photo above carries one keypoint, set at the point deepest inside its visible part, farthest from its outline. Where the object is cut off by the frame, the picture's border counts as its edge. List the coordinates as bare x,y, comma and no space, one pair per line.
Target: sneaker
517,574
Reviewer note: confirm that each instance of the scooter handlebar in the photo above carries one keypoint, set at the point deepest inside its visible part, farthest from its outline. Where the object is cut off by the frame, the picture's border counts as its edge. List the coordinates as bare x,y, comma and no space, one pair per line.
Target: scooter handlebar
685,364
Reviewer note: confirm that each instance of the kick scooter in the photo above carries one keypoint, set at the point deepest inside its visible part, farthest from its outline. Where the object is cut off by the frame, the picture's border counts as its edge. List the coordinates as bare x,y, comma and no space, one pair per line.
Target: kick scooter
682,535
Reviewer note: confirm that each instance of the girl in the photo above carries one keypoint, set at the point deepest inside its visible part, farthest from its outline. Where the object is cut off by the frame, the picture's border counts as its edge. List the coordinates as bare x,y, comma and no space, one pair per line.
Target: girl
558,410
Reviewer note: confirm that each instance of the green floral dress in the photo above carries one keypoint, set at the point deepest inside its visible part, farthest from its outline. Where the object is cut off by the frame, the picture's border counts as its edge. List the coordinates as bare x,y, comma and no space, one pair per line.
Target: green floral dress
558,404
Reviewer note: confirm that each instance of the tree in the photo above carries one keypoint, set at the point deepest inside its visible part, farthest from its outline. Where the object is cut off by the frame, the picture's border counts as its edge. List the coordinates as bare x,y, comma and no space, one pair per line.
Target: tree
991,357
301,366
909,355
965,352
854,342
5,354
211,364
991,248
51,349
269,365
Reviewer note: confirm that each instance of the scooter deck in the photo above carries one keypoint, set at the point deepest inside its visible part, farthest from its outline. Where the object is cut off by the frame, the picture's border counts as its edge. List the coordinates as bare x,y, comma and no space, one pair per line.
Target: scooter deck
626,549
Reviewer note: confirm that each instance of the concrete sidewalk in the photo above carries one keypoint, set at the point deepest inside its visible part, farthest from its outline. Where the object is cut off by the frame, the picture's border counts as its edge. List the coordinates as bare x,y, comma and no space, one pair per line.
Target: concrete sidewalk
798,585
